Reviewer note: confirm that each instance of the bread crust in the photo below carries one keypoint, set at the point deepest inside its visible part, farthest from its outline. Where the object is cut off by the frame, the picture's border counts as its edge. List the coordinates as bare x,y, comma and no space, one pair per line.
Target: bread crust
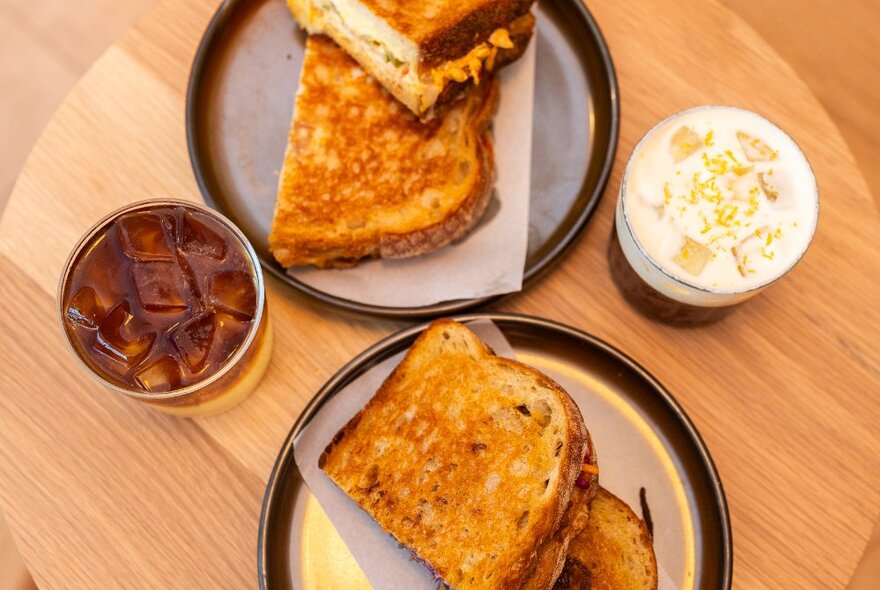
572,468
545,525
552,555
460,221
452,40
614,552
454,90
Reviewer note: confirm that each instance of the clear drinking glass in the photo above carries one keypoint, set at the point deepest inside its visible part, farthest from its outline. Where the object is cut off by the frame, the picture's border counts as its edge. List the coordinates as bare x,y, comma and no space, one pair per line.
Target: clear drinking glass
662,290
163,301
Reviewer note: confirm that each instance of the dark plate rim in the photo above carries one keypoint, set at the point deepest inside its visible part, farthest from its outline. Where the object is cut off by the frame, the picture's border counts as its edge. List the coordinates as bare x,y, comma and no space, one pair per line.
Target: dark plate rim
532,273
403,338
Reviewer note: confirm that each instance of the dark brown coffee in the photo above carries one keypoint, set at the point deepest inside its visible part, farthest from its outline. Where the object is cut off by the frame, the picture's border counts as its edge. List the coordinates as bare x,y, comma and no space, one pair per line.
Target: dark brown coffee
160,299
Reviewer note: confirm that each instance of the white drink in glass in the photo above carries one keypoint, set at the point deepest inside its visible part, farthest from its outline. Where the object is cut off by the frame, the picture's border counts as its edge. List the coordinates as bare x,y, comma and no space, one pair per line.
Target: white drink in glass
716,204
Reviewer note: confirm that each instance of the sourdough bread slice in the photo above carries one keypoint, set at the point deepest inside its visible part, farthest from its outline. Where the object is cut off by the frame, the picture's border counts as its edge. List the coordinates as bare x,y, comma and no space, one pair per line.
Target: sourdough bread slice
614,552
466,458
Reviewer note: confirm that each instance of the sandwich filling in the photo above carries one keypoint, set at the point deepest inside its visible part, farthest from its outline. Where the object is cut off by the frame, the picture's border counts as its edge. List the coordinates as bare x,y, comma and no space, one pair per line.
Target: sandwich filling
394,57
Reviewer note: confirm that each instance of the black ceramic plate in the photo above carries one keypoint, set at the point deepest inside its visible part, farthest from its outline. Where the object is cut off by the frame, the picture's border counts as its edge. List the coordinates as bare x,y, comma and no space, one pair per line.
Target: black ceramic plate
637,428
241,92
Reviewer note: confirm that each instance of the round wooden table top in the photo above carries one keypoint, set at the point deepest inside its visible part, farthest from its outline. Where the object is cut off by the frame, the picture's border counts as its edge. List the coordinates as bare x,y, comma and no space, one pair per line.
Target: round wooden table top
104,492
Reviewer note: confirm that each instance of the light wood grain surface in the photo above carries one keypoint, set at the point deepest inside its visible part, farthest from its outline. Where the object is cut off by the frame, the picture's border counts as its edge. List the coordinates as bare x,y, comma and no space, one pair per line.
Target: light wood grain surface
104,493
45,47
832,45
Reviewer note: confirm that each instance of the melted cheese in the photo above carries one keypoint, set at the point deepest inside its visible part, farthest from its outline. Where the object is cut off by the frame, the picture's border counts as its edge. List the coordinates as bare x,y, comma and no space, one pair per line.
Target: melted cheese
394,57
472,65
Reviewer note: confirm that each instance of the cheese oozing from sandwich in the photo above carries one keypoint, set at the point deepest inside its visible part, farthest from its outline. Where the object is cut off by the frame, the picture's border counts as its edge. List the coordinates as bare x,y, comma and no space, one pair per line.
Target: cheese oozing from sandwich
393,58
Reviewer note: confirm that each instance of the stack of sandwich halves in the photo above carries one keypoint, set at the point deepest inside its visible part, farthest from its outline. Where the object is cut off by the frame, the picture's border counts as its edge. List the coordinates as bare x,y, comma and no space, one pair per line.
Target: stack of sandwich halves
390,153
483,468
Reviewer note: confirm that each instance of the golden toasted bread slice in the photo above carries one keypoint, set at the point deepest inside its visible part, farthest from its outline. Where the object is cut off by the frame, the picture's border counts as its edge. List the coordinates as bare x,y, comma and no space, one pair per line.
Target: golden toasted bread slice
466,458
614,552
364,177
425,52
551,555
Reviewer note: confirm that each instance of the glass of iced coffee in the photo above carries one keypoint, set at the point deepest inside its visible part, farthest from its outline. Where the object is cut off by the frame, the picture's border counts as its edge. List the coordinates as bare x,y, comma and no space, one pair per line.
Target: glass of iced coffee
163,301
716,204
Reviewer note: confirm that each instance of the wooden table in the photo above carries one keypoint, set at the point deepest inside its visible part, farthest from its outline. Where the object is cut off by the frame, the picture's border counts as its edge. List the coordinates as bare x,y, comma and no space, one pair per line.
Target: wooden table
102,492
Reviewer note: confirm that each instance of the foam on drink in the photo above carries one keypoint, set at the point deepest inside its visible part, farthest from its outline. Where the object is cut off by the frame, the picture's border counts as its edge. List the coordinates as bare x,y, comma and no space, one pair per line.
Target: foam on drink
721,199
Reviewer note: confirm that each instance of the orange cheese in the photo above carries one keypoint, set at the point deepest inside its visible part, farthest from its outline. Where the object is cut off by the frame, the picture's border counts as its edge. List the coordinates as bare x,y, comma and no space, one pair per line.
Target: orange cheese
472,65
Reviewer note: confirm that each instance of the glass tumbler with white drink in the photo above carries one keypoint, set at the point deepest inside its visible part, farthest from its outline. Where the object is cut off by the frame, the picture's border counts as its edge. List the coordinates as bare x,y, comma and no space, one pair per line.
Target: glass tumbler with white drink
716,204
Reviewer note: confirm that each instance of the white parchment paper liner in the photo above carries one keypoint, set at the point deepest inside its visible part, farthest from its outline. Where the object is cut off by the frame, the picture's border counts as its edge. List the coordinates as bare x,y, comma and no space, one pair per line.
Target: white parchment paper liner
622,462
490,260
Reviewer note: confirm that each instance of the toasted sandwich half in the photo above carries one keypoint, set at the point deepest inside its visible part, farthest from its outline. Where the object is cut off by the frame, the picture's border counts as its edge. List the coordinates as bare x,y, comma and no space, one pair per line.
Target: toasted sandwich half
425,52
362,176
614,552
471,461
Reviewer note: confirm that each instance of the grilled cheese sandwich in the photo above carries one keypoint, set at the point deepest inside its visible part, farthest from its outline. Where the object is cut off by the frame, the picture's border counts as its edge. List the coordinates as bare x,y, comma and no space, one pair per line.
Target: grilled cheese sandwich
363,177
423,61
471,461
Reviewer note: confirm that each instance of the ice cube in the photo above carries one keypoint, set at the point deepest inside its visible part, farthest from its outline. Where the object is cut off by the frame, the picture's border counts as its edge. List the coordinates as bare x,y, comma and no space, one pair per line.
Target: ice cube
160,375
756,253
161,286
756,149
685,142
86,309
193,339
145,236
766,183
123,339
693,256
201,236
189,275
737,188
230,333
234,292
